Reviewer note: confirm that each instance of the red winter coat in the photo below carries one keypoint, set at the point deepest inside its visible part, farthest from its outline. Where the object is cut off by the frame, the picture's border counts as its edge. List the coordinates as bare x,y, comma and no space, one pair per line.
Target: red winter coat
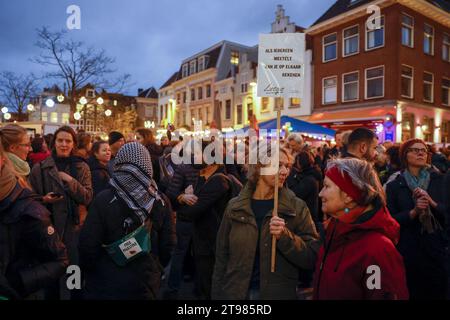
342,271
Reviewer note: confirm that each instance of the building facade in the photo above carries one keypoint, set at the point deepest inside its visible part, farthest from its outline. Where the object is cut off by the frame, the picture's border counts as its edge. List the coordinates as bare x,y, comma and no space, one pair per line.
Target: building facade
393,78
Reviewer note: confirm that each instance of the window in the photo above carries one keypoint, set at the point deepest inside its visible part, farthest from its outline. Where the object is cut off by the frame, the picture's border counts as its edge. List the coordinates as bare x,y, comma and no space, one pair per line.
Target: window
200,93
65,118
446,92
407,30
375,83
446,48
428,85
201,63
178,98
350,87
329,91
192,67
90,93
279,103
184,118
295,102
200,114
185,70
208,91
207,114
166,110
44,116
330,47
228,109
375,38
351,41
407,82
54,117
264,104
148,111
244,88
239,114
192,94
184,96
428,39
161,110
234,58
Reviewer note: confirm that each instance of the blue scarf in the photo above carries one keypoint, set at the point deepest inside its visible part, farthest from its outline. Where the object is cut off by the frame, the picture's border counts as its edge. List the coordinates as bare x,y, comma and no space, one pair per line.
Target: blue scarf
426,218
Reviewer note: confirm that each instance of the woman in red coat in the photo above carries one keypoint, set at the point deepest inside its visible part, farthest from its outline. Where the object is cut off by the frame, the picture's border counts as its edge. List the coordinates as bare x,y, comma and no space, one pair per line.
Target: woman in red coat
358,260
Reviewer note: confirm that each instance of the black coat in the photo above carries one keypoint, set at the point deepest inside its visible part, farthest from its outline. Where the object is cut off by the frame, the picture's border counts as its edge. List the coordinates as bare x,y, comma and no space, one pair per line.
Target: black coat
32,256
99,175
424,255
140,278
185,175
206,214
306,186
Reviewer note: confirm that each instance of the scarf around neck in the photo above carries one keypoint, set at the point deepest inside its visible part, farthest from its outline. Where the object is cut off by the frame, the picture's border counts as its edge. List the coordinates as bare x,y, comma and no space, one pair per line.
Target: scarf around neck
427,219
132,179
7,182
22,167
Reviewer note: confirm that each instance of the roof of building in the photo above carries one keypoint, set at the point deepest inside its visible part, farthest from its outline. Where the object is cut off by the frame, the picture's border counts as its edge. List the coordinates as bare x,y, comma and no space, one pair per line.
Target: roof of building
172,79
342,6
149,93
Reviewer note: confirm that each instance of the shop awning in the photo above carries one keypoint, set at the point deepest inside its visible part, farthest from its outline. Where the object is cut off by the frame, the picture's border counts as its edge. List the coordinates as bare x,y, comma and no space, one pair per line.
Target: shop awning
297,125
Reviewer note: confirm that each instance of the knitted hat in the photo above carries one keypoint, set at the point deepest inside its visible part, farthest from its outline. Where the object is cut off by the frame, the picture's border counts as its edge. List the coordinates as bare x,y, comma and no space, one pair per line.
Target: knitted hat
114,136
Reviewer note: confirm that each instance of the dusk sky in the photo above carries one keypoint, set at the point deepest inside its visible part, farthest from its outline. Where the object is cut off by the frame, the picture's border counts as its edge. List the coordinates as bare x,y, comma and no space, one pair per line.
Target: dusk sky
148,38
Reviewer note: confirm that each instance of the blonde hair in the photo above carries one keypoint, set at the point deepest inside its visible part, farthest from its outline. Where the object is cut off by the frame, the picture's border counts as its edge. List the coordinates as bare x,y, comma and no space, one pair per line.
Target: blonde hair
11,134
254,170
363,177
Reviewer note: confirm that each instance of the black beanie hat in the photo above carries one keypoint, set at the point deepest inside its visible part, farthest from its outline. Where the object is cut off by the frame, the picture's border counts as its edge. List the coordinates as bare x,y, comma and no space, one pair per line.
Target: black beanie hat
114,136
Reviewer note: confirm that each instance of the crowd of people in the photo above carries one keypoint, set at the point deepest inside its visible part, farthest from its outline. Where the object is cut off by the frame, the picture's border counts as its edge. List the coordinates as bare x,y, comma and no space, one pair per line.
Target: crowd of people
138,224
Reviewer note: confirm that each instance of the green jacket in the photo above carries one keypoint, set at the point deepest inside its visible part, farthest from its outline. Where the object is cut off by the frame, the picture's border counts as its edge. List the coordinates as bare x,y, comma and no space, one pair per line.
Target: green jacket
237,241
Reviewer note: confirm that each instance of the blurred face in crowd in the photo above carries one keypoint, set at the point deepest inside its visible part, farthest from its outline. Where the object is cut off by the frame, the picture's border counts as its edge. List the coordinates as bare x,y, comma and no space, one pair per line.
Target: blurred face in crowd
164,141
139,138
295,146
44,146
117,145
333,199
22,148
417,155
64,144
284,169
339,140
104,153
369,150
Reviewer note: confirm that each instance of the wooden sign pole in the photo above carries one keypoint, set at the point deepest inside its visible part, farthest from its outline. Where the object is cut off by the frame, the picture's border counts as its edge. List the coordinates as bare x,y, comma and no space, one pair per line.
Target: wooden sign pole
275,199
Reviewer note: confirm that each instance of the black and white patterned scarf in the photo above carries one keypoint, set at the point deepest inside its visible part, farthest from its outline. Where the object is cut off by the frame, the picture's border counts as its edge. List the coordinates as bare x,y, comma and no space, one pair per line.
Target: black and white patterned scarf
132,179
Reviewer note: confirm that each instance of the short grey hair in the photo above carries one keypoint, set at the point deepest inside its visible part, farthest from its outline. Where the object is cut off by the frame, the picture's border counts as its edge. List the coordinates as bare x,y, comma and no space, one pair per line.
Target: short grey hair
295,137
363,177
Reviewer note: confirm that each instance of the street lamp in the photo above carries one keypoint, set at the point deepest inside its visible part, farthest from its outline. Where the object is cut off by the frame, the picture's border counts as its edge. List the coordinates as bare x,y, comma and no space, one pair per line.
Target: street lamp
60,98
50,103
100,100
4,110
30,107
77,116
83,100
7,116
108,113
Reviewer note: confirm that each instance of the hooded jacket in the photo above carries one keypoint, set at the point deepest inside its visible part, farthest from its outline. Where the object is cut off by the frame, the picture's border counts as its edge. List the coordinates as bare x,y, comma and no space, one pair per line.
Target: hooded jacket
99,174
31,254
237,242
355,256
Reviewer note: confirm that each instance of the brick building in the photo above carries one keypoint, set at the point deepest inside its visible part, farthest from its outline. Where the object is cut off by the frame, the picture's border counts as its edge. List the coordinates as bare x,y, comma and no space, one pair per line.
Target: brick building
394,79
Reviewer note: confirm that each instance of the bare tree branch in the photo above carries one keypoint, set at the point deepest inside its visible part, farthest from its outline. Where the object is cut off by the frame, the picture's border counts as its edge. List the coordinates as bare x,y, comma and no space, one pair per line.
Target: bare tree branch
76,64
17,90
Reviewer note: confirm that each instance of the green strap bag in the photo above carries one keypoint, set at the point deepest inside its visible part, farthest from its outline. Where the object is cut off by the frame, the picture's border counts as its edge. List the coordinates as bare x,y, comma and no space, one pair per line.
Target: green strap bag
132,246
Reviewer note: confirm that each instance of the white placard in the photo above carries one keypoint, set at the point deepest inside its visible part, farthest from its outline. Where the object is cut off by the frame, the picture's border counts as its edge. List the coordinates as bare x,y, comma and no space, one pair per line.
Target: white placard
281,65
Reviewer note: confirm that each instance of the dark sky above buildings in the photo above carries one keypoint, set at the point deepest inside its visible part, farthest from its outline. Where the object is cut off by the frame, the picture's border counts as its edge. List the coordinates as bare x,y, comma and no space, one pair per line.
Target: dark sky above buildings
147,38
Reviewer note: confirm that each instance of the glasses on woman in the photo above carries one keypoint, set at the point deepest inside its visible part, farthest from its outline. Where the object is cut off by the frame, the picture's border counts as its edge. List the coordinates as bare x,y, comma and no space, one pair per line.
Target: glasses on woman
418,150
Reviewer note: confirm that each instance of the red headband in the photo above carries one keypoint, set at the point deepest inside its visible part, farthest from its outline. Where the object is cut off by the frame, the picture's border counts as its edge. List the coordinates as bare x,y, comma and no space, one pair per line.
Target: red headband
344,182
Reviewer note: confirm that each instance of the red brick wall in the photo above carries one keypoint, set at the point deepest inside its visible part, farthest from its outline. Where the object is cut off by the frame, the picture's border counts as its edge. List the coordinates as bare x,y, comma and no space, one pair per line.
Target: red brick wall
392,55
